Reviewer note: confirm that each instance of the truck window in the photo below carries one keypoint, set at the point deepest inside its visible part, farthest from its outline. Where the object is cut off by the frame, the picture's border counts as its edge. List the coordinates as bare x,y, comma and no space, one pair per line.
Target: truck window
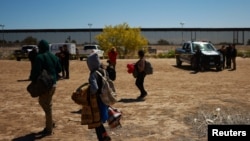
184,46
195,47
188,48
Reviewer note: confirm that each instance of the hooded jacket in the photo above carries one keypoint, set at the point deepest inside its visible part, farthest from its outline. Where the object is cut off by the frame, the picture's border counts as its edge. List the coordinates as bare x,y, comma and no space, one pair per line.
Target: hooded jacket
45,60
95,82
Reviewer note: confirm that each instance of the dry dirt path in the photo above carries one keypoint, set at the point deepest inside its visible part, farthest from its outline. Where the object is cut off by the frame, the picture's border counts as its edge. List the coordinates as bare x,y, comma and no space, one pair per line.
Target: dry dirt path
175,95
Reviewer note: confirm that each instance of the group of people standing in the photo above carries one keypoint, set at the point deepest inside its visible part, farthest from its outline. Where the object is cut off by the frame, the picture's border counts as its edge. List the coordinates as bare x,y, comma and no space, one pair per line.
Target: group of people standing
56,64
229,54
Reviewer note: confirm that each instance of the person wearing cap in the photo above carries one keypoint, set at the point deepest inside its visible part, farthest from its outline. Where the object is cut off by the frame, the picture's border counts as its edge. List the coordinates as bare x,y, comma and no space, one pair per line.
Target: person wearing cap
46,60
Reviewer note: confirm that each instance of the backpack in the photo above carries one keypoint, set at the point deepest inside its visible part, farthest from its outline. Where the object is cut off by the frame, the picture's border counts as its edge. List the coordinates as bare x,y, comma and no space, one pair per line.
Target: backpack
148,68
42,85
112,73
108,94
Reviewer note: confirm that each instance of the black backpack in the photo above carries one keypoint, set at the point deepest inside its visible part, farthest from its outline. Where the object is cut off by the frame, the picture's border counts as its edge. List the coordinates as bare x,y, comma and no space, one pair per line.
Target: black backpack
111,72
148,68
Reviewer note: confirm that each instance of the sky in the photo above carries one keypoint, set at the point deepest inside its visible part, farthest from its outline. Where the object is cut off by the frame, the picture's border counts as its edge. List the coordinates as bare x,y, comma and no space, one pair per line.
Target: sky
72,14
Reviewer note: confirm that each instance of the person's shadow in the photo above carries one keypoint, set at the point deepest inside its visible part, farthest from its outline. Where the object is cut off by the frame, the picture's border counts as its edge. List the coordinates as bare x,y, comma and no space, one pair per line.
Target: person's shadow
22,80
30,137
130,100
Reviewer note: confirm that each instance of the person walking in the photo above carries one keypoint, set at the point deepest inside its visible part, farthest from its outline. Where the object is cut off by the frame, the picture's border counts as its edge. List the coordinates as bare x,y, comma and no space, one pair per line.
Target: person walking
112,55
48,61
233,56
140,66
95,82
65,62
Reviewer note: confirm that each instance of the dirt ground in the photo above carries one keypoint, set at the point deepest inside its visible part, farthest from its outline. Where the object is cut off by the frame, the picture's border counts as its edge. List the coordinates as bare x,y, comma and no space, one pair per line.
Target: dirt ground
175,95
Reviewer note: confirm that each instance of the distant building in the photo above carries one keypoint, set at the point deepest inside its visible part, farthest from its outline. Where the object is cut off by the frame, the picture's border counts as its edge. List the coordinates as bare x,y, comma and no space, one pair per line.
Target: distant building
172,35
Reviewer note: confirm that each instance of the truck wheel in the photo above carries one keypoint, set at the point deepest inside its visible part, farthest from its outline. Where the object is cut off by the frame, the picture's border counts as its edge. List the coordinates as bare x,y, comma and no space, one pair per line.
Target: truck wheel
219,68
178,61
18,59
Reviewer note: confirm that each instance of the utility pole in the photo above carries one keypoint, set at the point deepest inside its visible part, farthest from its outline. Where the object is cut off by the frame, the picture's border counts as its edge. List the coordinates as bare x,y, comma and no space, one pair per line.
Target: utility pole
89,24
182,24
2,25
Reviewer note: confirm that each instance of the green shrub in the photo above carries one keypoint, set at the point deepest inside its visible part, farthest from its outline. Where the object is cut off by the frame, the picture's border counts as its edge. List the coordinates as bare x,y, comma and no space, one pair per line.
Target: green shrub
168,54
171,54
243,54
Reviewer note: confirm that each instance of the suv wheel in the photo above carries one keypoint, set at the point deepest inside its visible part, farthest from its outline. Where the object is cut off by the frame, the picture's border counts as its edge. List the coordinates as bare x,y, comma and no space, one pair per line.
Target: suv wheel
178,61
193,63
219,68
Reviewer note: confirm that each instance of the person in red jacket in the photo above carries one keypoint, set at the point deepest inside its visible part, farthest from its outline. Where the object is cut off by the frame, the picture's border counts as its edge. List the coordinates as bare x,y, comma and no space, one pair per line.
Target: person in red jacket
112,55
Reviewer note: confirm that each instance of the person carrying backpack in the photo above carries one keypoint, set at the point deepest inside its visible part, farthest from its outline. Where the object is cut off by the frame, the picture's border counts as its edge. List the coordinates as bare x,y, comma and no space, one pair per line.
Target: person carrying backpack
46,60
95,88
141,74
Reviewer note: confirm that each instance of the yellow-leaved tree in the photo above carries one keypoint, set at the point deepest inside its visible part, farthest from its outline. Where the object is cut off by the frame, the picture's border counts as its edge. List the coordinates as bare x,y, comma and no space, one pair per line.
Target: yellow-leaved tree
126,40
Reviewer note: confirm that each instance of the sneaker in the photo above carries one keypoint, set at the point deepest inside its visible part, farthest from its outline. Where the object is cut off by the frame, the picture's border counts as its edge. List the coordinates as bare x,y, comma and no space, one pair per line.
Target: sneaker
45,132
142,96
106,138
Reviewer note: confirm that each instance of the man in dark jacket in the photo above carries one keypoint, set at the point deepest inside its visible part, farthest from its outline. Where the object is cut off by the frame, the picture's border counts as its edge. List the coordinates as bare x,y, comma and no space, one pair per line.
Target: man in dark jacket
65,61
228,56
233,56
48,61
198,57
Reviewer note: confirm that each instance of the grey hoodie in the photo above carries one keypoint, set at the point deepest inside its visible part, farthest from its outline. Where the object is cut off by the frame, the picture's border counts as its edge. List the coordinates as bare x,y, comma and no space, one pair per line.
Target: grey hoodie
94,64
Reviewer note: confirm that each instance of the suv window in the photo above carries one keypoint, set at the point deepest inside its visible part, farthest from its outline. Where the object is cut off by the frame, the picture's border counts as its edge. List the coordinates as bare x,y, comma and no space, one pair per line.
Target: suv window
89,47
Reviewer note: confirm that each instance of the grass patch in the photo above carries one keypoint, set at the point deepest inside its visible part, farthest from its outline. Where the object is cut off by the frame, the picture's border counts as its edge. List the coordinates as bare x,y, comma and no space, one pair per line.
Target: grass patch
216,116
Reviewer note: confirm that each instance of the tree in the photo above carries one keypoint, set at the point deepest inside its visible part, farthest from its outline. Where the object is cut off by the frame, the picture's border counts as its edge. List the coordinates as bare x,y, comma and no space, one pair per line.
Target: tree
163,42
30,41
127,40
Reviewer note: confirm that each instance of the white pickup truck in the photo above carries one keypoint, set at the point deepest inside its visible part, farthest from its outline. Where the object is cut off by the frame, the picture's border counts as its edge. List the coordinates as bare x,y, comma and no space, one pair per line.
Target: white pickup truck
88,49
23,52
